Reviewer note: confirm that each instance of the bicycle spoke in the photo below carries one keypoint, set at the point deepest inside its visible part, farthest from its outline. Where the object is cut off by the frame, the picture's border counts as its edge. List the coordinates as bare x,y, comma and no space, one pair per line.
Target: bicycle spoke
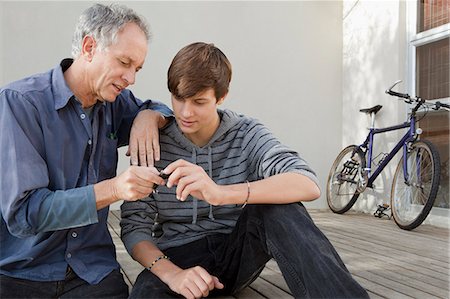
413,193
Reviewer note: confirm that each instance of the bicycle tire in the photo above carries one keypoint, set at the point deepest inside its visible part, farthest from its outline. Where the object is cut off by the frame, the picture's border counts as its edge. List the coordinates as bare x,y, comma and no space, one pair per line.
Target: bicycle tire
411,201
344,179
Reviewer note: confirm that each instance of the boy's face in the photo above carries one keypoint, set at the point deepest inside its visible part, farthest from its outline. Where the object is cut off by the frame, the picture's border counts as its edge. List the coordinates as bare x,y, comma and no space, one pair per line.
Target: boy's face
197,116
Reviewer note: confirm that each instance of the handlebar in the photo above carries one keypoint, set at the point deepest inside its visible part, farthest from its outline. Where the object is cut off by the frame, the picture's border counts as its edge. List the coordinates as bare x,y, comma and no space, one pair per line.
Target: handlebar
439,105
408,99
398,94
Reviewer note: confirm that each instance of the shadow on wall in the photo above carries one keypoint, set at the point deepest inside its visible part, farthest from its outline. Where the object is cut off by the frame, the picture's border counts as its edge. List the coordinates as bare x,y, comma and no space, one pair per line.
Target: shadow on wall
372,60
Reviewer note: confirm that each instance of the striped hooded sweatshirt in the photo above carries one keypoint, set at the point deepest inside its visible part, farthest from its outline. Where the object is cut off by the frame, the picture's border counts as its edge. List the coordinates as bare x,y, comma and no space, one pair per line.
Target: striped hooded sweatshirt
241,149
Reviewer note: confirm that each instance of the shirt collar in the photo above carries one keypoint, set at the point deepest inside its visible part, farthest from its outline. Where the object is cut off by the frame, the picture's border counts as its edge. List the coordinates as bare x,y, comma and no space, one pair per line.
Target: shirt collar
62,92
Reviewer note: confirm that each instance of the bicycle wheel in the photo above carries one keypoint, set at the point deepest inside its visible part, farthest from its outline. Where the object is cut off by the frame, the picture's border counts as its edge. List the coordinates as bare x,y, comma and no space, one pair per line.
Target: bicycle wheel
413,194
346,180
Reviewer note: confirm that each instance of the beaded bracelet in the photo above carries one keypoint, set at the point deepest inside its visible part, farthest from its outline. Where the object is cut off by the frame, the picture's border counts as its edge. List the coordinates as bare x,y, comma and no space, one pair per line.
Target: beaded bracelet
248,195
156,260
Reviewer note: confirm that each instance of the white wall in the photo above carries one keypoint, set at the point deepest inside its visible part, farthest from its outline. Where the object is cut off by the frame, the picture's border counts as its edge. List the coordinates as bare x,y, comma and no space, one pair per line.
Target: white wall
374,57
287,59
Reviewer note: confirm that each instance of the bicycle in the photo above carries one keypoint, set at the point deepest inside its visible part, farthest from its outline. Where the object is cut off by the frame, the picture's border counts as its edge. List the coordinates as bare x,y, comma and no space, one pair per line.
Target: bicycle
416,179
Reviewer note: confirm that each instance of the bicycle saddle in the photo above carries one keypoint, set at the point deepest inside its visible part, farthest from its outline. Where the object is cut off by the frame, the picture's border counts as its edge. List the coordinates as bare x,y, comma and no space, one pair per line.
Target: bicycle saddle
374,109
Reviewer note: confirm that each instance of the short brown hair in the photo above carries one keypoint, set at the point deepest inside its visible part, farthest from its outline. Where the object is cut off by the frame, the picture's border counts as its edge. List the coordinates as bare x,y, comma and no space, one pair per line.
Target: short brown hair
197,67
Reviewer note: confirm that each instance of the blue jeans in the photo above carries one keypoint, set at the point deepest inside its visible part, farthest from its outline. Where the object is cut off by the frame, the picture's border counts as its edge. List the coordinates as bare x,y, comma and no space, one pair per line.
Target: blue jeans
112,286
309,263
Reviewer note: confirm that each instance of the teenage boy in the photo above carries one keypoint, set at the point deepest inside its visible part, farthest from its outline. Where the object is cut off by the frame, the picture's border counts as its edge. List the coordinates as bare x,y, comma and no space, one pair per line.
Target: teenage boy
232,200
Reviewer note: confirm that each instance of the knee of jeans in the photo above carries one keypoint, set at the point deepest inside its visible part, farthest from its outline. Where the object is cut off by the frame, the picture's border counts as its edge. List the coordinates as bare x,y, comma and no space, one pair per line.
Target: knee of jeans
279,212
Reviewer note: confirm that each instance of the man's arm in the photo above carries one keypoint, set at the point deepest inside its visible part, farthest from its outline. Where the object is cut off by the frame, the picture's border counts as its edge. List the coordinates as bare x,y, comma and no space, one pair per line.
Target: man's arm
28,206
137,126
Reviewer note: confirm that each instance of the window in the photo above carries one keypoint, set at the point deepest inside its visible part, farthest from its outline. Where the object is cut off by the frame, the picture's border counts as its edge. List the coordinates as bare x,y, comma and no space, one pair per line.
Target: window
432,54
436,129
432,70
429,72
432,14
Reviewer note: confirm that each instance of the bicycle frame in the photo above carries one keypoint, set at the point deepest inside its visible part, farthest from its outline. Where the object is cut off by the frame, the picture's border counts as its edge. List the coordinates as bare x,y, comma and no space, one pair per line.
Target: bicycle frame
409,136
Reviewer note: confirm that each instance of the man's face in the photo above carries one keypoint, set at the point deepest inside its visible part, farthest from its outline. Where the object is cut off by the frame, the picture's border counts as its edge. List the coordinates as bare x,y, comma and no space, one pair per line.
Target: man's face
114,68
197,116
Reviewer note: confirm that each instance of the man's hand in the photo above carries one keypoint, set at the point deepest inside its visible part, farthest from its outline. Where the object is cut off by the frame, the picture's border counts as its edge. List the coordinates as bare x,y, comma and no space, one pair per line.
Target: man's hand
191,179
144,138
194,282
135,183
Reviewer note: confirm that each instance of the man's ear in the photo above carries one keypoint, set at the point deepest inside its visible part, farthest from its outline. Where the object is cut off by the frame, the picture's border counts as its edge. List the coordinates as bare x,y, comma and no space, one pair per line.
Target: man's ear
88,47
222,99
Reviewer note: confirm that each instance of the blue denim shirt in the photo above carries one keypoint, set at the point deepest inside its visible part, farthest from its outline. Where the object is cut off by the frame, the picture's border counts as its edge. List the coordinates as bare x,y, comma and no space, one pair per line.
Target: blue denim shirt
51,154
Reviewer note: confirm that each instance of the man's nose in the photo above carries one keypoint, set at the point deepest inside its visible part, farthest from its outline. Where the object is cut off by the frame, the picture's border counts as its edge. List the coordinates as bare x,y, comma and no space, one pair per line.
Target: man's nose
130,77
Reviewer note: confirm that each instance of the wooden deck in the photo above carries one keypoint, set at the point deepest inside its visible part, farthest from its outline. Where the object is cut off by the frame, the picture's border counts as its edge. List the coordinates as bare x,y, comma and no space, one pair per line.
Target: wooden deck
387,261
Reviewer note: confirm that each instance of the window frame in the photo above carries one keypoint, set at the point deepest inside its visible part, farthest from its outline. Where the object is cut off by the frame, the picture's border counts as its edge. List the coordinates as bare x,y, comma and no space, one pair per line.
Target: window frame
415,40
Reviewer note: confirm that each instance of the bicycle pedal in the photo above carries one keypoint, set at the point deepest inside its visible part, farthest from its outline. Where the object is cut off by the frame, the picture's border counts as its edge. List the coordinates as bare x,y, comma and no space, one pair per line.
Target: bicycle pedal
380,212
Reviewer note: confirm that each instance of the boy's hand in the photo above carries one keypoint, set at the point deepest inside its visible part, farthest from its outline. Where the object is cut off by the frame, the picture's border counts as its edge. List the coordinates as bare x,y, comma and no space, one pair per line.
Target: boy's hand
194,282
191,179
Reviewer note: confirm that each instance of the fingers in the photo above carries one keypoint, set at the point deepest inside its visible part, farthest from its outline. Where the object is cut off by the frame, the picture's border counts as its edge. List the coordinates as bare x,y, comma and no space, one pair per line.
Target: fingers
144,139
133,151
156,154
174,165
179,169
217,283
143,153
197,282
137,182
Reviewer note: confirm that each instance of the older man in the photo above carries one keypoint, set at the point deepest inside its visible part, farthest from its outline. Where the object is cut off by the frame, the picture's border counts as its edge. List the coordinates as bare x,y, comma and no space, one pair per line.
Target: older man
58,159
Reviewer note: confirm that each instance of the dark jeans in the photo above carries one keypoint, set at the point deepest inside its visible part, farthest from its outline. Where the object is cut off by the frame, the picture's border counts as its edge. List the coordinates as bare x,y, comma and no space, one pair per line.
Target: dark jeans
112,286
308,261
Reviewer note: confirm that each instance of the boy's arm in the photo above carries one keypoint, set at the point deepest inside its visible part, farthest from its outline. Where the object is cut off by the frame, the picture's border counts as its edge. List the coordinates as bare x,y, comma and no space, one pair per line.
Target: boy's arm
194,282
282,188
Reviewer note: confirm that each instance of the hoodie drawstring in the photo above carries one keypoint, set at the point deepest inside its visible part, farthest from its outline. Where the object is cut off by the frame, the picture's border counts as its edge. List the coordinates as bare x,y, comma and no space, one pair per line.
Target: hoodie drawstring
211,215
195,200
210,173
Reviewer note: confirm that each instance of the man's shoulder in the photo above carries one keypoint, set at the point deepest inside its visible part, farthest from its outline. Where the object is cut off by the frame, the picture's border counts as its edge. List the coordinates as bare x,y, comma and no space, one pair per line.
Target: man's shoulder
34,84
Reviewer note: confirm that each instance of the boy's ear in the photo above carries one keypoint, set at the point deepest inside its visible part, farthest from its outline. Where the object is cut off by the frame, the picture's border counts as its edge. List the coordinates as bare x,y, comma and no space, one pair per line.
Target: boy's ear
222,99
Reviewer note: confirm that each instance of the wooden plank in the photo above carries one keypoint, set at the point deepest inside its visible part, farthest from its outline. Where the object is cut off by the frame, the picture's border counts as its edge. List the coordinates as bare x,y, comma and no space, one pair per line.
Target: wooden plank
384,253
430,255
410,239
387,261
407,278
376,290
275,279
407,258
249,293
268,290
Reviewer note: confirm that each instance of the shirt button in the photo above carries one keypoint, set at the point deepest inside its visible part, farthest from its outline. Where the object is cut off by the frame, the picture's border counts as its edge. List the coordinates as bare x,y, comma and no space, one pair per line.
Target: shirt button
82,116
69,255
74,234
89,141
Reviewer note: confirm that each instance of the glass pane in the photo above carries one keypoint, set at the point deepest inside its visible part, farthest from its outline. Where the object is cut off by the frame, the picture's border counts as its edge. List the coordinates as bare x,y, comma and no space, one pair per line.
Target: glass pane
435,126
432,70
432,13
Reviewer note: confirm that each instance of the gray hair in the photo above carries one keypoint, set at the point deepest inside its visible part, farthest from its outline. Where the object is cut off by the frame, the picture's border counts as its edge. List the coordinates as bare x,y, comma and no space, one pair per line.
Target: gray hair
103,22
